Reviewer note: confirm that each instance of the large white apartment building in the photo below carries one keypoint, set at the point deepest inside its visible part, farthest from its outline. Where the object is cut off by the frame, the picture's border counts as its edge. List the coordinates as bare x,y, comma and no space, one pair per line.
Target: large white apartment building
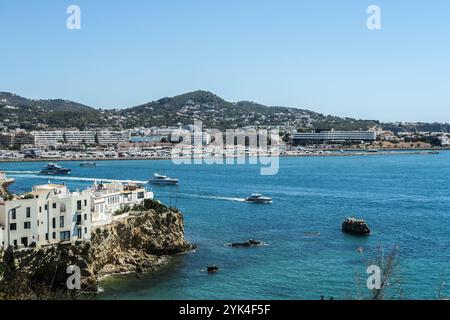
79,137
48,138
51,214
107,138
76,137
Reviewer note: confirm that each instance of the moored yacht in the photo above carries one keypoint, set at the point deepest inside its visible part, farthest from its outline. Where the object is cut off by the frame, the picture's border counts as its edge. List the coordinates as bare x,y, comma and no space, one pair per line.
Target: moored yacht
258,198
88,164
54,169
163,180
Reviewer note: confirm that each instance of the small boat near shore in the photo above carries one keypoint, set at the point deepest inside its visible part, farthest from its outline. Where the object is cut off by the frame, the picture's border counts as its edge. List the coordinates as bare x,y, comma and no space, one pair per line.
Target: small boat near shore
258,198
163,180
4,180
248,244
54,169
88,164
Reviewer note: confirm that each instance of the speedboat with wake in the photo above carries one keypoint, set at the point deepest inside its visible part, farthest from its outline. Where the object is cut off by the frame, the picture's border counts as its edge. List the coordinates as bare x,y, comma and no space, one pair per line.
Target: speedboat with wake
258,198
54,169
163,180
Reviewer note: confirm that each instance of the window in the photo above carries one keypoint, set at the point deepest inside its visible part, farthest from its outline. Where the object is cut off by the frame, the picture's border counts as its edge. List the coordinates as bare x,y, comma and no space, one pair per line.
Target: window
27,225
40,209
85,203
85,217
13,227
85,230
62,208
54,223
15,243
61,221
28,212
79,233
13,214
79,219
79,205
46,207
64,236
54,235
141,195
46,236
54,206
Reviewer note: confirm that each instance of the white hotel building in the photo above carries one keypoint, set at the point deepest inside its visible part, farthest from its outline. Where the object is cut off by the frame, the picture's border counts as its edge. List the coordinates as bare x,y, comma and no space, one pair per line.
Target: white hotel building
333,136
51,214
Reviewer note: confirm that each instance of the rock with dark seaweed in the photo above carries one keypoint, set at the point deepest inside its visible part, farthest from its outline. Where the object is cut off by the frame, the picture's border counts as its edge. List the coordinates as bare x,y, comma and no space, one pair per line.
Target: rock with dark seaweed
356,227
213,269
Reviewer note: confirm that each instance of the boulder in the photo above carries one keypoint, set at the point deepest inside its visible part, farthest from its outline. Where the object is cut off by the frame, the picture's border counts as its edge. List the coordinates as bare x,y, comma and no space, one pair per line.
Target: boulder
355,226
212,269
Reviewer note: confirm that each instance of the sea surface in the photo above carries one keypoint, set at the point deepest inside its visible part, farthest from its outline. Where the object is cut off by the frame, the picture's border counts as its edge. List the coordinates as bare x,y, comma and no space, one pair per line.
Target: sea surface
404,198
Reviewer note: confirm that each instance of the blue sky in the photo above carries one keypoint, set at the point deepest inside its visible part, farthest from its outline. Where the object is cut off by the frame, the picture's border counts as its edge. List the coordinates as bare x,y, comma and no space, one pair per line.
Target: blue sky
307,54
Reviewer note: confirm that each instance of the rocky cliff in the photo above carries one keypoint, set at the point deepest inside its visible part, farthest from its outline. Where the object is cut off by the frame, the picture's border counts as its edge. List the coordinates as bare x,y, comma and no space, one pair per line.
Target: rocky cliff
141,242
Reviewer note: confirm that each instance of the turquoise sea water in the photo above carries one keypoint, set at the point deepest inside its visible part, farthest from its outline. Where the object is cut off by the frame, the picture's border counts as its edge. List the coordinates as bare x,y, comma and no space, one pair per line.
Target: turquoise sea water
404,198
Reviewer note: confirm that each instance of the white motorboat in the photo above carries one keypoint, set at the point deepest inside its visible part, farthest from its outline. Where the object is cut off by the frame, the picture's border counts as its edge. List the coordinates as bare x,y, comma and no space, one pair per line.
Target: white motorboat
258,198
163,180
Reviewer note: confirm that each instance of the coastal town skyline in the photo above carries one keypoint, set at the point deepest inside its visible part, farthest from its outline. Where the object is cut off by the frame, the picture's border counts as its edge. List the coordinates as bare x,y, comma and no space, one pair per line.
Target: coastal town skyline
124,56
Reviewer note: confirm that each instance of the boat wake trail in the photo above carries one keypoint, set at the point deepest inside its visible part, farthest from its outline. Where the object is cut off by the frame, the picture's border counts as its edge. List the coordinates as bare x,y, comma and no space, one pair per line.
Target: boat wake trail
21,172
190,195
64,178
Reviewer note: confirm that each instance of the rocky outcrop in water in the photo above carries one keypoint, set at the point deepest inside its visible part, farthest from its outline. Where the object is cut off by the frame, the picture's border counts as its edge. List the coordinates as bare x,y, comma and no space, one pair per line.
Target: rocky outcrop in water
248,244
355,226
142,242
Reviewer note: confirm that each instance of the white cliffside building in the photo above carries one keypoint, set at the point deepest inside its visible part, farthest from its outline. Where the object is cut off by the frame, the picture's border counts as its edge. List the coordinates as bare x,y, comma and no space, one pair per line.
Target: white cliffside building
107,199
51,214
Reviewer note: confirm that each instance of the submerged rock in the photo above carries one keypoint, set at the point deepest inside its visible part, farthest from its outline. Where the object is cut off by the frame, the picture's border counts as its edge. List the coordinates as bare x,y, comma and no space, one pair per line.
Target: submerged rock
355,226
213,269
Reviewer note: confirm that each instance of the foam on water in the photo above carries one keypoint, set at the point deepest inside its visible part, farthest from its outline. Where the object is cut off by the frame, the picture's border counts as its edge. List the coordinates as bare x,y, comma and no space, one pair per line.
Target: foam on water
223,198
69,178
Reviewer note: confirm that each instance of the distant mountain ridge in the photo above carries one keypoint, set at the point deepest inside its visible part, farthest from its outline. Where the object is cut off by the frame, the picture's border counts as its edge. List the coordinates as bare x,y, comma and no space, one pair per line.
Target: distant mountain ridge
212,110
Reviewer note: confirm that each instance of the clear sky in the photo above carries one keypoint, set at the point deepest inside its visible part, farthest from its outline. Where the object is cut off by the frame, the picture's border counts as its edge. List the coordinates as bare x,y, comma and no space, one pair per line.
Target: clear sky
312,54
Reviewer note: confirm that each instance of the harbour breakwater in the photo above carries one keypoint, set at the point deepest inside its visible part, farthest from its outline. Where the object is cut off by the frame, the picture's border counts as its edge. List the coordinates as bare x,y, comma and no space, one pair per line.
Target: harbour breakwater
141,242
